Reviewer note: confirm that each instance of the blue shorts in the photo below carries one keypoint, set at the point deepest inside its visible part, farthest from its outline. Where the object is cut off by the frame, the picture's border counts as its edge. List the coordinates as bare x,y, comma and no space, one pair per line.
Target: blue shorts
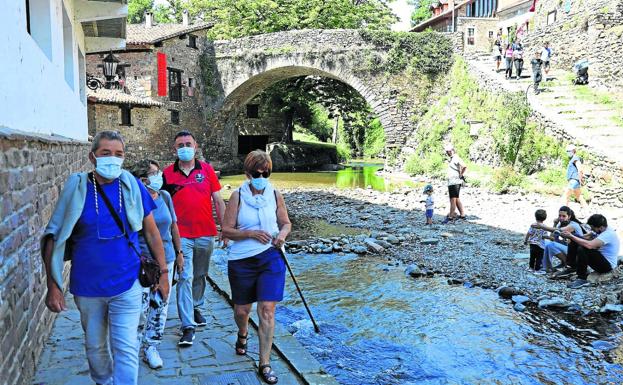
574,184
429,213
258,278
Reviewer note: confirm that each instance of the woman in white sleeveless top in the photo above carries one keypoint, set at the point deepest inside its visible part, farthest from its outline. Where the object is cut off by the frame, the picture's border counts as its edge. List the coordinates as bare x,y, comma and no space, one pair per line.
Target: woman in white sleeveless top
257,221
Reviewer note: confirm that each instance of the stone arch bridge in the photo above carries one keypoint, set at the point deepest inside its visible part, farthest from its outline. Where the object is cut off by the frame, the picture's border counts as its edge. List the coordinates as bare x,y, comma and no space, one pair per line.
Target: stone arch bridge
242,68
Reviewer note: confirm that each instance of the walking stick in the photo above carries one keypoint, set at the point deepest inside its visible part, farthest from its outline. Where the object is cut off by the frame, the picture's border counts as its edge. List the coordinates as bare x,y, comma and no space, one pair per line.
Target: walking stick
285,259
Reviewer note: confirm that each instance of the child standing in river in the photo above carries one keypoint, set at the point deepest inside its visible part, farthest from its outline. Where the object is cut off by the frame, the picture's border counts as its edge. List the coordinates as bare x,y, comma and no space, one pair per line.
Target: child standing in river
429,203
535,238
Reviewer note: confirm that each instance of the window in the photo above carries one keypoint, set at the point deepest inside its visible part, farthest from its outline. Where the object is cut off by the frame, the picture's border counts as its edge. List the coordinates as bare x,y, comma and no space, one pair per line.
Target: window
175,85
175,117
491,35
126,116
38,24
253,111
551,17
248,143
470,35
68,49
192,41
191,87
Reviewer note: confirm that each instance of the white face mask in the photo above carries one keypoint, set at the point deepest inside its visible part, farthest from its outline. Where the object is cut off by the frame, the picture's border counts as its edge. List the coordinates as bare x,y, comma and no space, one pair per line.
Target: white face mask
155,181
108,167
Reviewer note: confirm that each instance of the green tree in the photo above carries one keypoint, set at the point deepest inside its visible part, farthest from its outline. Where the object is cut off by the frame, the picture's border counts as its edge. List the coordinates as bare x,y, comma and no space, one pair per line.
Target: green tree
137,9
421,10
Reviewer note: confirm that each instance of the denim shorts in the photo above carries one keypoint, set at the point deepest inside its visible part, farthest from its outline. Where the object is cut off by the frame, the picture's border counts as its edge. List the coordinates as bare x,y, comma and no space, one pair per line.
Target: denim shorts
574,184
258,278
429,213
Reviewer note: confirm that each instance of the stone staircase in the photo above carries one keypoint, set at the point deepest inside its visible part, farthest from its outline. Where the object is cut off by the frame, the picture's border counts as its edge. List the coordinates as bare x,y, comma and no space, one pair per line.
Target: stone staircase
595,126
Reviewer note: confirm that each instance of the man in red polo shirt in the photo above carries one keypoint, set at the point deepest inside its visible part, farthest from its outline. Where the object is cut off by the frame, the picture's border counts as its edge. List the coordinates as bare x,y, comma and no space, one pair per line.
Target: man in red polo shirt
193,185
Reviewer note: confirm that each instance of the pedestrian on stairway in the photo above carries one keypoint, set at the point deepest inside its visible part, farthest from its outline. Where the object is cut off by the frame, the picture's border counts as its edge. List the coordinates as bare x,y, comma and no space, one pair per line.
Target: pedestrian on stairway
257,221
537,76
95,224
497,54
508,56
193,186
518,59
155,307
546,55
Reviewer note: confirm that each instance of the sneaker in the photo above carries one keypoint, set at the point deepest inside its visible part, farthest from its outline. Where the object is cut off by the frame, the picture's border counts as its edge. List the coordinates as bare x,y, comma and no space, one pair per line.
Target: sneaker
188,335
152,357
200,320
568,272
540,272
447,220
578,283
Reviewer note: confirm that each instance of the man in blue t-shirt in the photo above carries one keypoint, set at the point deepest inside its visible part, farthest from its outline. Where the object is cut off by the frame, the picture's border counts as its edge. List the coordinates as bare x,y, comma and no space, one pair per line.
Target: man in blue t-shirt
104,265
598,249
575,178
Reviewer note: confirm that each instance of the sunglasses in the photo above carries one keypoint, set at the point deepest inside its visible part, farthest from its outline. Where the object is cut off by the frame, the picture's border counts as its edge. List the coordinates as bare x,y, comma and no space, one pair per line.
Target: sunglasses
256,174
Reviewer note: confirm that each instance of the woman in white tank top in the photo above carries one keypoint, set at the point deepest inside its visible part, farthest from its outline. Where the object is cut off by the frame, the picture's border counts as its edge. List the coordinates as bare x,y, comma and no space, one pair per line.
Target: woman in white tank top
256,220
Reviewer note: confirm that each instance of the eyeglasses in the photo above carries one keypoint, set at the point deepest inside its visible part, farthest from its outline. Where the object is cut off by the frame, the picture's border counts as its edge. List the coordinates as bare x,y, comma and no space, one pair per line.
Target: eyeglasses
256,174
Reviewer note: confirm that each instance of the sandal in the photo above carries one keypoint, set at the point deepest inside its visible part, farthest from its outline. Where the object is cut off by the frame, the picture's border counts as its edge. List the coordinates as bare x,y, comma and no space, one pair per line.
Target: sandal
241,348
268,377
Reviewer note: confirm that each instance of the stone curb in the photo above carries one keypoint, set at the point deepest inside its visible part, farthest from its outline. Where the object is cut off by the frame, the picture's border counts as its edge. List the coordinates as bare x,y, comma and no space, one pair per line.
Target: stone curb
290,350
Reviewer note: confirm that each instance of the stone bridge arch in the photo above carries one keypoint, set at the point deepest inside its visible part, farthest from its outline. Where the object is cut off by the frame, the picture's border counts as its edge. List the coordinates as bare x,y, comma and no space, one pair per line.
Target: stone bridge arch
243,68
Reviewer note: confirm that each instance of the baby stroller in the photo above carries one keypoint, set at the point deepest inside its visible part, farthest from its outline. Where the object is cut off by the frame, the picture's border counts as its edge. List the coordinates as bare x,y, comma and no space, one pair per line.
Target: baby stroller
581,72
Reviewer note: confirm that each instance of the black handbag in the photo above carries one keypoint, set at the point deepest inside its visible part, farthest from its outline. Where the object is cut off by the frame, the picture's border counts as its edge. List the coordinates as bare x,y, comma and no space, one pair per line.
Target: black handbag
149,273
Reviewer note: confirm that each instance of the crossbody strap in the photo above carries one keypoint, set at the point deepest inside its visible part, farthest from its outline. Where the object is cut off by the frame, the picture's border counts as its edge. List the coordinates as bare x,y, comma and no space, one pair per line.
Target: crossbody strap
114,214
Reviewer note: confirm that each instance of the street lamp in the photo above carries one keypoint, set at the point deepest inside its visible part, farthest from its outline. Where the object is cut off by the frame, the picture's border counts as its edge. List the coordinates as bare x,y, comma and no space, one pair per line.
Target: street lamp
110,68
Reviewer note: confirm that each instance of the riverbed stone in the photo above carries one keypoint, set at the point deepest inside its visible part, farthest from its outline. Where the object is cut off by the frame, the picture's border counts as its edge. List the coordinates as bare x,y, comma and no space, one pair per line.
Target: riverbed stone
373,246
359,249
414,271
519,307
596,278
555,302
611,308
393,239
429,241
520,299
508,292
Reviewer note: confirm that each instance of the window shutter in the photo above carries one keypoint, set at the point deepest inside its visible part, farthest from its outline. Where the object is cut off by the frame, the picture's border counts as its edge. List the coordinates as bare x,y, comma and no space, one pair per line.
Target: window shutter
162,74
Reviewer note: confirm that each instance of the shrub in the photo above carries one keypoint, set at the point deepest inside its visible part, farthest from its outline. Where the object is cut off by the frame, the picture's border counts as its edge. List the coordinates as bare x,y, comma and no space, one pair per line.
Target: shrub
343,152
432,164
504,178
374,142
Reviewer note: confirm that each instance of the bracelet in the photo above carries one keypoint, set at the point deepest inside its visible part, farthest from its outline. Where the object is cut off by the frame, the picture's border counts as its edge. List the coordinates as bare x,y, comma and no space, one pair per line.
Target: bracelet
164,271
179,252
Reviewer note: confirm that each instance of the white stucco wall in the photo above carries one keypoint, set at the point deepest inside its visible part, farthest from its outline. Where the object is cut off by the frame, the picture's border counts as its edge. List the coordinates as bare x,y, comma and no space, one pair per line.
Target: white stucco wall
34,95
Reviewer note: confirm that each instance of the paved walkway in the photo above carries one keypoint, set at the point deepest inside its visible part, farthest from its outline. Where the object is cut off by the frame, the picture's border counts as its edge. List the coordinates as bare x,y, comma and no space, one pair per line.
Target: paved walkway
210,361
596,124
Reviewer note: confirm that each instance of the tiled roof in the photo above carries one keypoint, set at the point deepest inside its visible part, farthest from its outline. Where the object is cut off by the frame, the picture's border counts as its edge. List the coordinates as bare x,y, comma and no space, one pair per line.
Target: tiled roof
106,96
426,23
139,34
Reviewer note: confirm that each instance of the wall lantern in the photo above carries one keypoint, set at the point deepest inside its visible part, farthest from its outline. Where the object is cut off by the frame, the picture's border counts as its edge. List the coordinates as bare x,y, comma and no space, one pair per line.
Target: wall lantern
110,69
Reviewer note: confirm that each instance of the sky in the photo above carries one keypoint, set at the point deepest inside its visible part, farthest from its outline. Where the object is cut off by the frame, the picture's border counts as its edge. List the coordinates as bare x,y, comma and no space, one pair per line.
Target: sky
400,8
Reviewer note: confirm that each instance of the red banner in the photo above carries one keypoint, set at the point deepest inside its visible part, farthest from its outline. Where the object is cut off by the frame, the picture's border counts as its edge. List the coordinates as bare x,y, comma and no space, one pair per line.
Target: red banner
162,74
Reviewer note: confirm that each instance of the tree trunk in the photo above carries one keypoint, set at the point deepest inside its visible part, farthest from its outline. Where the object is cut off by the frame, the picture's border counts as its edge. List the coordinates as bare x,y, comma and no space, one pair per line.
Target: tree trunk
289,127
335,128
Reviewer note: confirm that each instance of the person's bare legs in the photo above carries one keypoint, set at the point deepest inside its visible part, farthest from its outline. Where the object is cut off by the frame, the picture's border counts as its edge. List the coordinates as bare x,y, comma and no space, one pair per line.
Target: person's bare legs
266,312
241,316
566,196
580,198
459,206
452,212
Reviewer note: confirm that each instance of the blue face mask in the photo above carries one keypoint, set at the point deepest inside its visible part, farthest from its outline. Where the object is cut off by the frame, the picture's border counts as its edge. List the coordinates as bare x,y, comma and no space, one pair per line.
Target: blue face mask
186,154
259,183
155,182
108,167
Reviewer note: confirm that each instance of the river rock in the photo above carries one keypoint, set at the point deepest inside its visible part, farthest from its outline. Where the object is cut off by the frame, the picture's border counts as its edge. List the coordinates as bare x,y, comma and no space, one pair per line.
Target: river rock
373,246
555,302
611,308
383,243
327,250
429,241
337,247
393,239
445,235
414,271
455,281
469,242
595,278
519,307
359,249
520,299
508,292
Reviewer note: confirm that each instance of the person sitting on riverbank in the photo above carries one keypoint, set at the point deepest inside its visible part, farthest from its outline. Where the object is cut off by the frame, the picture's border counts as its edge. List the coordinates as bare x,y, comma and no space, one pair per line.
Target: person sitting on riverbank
429,203
600,252
535,238
557,246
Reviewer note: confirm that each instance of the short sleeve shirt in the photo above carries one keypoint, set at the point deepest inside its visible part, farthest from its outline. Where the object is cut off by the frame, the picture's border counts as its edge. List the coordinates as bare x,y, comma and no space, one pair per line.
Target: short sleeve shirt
535,237
572,168
192,198
164,216
103,264
456,163
610,248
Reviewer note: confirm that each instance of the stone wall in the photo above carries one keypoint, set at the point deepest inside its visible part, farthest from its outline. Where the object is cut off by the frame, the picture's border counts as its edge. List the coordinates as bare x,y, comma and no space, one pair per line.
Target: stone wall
33,169
482,27
301,156
591,29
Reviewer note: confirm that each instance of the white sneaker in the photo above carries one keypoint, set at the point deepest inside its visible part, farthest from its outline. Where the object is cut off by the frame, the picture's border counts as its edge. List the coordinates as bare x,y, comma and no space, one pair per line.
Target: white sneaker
152,357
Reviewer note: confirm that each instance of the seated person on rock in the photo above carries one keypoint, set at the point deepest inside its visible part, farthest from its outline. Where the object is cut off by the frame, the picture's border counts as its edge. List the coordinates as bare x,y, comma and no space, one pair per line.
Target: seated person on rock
558,246
600,251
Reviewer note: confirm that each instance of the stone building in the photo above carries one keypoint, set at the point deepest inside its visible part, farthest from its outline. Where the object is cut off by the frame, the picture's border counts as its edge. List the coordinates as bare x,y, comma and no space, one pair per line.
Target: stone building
589,29
43,133
161,87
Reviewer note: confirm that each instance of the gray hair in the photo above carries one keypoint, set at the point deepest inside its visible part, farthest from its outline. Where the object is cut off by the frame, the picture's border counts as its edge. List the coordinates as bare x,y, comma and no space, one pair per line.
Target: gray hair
108,135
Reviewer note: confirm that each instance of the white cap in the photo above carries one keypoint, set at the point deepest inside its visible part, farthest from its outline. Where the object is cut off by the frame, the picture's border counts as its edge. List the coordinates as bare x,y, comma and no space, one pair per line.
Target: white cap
448,147
571,147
